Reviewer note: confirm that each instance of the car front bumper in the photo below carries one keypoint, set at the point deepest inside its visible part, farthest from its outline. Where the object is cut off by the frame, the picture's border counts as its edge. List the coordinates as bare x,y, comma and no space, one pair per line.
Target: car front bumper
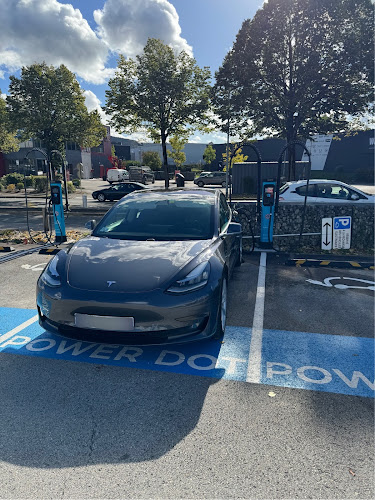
159,318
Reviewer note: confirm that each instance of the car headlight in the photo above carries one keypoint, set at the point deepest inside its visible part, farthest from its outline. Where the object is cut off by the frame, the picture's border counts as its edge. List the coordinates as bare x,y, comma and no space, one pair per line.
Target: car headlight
196,279
50,276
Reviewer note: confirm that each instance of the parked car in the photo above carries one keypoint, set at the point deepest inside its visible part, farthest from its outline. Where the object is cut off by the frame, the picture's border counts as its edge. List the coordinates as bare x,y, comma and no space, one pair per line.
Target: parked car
141,174
155,270
117,191
212,178
117,175
323,191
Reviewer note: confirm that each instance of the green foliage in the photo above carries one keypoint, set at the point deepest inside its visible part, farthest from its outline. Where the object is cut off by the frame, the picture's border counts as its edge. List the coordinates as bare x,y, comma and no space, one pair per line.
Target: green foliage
40,183
235,156
162,91
70,186
152,159
129,163
13,178
20,186
76,182
299,67
209,154
8,141
47,103
178,143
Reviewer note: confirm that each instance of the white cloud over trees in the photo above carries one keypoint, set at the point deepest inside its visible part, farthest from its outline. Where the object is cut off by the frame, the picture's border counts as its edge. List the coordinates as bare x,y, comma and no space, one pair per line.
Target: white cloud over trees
57,33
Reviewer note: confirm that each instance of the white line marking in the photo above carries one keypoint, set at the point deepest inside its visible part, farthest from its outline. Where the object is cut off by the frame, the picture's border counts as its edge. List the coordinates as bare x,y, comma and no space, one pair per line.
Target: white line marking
18,328
255,353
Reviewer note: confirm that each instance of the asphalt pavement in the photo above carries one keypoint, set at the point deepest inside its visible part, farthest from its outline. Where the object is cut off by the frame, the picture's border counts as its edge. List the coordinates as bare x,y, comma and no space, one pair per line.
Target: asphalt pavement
97,421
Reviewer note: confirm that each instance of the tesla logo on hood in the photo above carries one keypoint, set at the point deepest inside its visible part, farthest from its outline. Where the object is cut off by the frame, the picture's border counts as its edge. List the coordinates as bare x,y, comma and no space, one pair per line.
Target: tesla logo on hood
111,283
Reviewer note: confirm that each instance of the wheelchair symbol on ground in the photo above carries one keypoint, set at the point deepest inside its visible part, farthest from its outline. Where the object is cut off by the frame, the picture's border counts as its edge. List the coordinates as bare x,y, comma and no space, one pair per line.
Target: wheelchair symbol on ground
343,286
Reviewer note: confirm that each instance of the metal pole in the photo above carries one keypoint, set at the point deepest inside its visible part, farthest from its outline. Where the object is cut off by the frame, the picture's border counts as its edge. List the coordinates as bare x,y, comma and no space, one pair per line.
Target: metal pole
227,166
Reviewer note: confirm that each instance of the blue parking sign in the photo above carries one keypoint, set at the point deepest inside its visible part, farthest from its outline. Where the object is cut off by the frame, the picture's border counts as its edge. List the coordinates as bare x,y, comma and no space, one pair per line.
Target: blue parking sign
342,223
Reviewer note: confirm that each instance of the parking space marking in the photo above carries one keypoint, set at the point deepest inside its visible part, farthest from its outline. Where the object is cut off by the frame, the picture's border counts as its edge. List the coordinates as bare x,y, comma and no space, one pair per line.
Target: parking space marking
312,361
255,354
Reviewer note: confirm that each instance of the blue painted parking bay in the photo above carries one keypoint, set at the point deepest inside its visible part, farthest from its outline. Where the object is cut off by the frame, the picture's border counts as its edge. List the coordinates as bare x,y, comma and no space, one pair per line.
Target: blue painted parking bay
312,361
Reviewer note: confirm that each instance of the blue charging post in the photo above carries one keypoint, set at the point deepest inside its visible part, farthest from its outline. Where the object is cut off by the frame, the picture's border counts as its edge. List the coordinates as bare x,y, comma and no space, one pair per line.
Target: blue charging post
267,214
58,212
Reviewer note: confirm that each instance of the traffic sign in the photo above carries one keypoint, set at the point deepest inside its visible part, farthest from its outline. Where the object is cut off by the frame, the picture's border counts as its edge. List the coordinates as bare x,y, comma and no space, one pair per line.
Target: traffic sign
342,228
327,233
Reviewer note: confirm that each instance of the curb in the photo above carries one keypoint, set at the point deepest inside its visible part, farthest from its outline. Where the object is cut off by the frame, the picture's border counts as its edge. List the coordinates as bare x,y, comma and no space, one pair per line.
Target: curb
329,263
49,251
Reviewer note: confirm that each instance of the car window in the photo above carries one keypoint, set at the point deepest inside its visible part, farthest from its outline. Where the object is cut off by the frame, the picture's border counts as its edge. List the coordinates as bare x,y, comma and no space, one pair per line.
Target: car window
332,191
160,218
302,190
284,188
224,213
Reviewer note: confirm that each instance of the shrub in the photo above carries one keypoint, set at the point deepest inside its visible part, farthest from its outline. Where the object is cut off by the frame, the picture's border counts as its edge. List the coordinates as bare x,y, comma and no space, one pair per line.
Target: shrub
70,186
76,182
11,187
40,183
30,181
12,178
20,186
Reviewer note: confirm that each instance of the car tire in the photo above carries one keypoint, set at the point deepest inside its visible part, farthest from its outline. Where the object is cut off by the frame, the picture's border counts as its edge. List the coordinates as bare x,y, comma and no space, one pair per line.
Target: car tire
101,197
224,184
200,184
239,257
222,311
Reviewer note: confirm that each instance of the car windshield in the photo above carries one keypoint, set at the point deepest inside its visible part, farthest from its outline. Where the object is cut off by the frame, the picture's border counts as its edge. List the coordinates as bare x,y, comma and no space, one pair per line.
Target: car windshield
160,217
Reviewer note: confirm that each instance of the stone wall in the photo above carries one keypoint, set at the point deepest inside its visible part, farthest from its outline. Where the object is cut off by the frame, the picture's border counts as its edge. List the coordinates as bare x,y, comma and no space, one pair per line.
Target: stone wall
289,218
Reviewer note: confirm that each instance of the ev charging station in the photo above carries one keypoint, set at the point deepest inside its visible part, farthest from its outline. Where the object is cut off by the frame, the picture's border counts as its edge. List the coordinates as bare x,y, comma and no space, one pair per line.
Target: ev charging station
58,212
267,214
268,198
56,198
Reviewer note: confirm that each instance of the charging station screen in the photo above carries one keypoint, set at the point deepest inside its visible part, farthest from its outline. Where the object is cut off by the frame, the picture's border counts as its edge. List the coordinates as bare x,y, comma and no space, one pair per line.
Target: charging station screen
268,195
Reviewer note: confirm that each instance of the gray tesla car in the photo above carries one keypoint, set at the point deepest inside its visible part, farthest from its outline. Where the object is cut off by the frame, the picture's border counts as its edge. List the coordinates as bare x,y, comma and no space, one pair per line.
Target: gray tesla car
155,270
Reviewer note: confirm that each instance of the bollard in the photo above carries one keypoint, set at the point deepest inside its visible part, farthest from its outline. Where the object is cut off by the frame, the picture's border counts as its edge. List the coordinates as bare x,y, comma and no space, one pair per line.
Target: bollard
84,201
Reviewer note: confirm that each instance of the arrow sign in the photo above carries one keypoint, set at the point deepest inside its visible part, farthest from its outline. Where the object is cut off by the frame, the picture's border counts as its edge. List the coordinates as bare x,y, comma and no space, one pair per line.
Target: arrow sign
327,233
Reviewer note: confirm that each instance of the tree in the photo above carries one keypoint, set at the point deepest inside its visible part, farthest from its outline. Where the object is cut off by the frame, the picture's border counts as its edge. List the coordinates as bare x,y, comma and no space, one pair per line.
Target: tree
209,154
178,143
152,159
47,103
8,142
299,67
162,91
235,156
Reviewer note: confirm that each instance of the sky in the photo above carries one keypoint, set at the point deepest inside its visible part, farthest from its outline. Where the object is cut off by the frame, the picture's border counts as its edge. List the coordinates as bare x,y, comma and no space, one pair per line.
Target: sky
88,35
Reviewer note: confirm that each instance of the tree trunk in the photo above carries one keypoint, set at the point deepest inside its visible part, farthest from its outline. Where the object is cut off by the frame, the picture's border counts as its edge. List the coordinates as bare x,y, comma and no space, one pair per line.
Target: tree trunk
165,158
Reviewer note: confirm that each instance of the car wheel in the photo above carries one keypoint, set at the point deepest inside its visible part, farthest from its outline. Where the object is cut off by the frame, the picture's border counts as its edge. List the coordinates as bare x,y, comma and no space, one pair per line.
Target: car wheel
224,184
200,184
239,257
101,197
222,312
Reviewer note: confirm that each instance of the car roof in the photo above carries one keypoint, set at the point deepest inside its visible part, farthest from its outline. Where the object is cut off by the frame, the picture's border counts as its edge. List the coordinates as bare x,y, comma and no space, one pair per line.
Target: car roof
201,192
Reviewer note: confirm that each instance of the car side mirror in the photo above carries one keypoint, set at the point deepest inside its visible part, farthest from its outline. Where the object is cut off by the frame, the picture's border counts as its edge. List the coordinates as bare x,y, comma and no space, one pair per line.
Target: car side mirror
234,228
90,224
354,197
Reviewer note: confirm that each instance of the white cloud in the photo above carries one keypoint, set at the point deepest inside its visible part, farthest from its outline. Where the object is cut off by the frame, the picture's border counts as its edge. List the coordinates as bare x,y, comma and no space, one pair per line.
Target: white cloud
93,102
50,31
127,24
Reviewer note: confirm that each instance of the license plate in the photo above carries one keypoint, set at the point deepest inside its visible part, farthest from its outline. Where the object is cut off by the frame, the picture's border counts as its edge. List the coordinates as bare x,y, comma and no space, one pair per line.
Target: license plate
110,323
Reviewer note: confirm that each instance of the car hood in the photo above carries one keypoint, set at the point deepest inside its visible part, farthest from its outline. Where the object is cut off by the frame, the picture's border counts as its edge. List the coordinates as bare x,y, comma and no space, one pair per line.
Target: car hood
109,265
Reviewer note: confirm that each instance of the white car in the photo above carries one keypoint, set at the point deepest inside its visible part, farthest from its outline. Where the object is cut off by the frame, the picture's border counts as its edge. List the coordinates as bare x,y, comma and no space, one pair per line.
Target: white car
117,175
323,191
